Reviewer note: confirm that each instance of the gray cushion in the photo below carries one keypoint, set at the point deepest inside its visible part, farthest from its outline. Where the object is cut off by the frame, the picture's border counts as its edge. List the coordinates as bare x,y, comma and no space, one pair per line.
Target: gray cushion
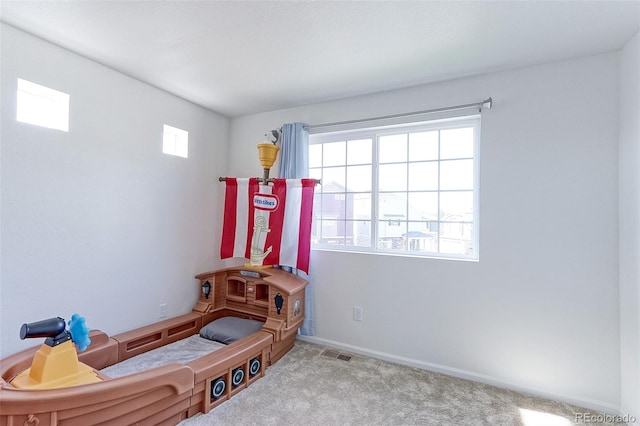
229,329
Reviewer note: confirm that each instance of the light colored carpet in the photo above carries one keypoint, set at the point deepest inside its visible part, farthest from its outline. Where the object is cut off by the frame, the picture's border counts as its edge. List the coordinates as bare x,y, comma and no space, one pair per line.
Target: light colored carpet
306,387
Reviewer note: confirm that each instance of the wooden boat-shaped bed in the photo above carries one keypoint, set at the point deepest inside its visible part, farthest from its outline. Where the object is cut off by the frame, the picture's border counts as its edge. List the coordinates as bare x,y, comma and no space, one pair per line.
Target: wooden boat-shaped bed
169,393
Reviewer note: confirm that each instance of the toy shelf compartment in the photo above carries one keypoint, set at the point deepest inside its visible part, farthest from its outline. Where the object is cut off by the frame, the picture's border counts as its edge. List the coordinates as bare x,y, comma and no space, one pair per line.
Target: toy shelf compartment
237,289
261,293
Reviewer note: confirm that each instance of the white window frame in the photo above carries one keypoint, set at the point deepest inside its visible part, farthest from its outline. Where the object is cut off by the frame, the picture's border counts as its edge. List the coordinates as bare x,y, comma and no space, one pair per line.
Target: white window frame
42,106
375,133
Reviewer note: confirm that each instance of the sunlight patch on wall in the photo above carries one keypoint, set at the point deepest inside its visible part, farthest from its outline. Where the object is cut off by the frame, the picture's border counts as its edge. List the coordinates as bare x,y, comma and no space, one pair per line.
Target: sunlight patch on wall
42,106
175,141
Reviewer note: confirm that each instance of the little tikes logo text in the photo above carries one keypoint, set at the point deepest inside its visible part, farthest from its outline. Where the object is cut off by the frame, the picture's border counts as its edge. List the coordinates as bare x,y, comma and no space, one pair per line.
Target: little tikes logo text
265,202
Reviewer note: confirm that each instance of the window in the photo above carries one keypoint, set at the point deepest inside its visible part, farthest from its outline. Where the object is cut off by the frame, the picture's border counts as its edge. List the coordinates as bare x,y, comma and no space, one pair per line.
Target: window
408,189
42,106
175,141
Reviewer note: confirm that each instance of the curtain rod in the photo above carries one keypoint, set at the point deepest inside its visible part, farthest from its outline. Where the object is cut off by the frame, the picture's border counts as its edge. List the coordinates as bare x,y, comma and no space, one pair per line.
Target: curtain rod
487,103
268,180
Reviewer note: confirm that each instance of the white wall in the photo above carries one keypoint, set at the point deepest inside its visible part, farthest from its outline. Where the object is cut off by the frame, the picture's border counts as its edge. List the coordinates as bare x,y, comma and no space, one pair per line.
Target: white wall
98,220
540,310
629,217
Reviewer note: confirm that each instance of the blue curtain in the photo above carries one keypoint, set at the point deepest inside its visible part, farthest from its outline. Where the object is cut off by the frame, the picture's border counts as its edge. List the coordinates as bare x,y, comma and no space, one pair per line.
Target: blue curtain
294,163
294,151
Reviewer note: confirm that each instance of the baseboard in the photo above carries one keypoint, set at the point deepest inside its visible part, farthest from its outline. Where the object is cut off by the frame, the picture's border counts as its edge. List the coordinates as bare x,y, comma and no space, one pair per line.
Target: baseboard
599,406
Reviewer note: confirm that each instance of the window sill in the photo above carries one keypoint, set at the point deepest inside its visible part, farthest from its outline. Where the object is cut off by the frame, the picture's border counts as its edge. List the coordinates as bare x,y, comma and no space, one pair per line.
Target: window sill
431,256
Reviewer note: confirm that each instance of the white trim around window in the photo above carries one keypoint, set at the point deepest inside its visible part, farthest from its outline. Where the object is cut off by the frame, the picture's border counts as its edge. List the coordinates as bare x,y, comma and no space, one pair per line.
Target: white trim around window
410,190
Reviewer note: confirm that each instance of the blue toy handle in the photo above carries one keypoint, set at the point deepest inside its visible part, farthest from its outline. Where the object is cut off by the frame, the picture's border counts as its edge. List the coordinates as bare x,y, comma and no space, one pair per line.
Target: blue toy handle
79,332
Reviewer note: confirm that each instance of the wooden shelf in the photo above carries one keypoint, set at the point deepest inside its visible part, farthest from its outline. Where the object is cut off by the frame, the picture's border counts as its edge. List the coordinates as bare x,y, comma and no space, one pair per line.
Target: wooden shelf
237,289
262,294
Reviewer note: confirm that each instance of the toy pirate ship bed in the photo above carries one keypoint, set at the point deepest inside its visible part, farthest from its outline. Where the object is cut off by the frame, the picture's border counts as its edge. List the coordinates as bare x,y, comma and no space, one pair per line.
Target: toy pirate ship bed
251,315
245,320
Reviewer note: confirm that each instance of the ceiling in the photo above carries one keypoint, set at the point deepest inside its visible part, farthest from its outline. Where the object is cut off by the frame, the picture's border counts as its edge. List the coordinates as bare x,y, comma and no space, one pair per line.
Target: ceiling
244,57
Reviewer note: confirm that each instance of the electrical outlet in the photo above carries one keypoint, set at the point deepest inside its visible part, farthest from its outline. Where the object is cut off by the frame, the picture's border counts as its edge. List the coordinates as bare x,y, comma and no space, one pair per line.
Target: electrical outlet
357,313
163,310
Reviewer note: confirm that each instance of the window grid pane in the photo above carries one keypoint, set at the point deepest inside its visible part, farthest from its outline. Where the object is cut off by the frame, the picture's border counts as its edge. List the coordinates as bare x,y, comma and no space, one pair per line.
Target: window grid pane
359,151
421,200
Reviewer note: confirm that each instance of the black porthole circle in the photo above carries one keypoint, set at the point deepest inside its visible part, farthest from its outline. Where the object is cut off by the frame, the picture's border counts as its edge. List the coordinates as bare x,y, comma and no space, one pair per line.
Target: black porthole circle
254,367
218,387
237,376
